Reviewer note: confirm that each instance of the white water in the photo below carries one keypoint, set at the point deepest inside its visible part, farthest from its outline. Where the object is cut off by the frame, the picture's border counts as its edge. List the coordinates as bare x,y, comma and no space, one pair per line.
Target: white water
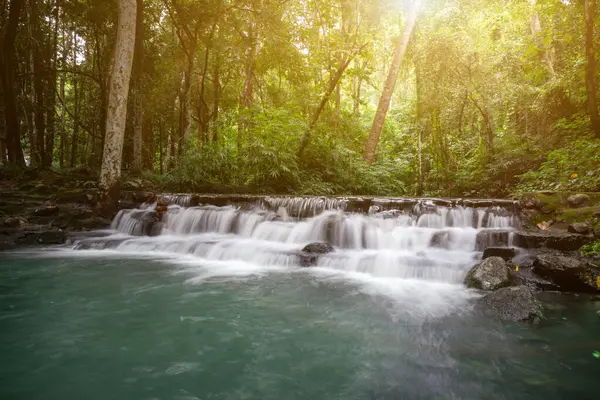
428,242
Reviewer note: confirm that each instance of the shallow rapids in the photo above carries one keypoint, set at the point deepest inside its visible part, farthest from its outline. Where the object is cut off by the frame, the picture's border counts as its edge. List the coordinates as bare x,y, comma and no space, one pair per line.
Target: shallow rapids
419,240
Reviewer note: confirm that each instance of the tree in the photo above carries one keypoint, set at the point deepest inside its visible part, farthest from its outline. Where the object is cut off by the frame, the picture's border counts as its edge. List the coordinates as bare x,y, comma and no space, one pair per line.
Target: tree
138,109
7,76
390,84
590,69
116,115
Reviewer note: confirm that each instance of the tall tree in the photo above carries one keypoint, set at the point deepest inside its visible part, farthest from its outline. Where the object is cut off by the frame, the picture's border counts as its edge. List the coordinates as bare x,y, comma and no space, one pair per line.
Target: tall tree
590,69
7,76
138,110
116,115
390,83
536,31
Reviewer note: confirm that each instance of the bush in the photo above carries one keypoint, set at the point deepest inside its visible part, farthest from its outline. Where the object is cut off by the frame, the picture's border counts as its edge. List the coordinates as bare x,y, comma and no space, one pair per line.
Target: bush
591,249
575,167
268,163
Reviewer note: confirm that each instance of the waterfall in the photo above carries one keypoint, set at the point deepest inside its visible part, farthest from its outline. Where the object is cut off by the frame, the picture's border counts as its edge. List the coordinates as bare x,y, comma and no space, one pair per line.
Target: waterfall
430,239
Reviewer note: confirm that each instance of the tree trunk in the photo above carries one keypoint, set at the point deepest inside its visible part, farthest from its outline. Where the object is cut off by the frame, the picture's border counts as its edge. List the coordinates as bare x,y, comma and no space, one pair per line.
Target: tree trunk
116,115
536,31
248,90
51,93
338,100
138,110
184,104
2,131
333,81
390,84
148,143
39,73
419,125
217,99
357,89
590,70
76,107
7,76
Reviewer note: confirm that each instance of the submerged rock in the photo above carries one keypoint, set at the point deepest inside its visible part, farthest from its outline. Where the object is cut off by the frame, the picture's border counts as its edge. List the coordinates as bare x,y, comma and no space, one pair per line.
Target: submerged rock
490,274
310,253
516,303
507,253
568,273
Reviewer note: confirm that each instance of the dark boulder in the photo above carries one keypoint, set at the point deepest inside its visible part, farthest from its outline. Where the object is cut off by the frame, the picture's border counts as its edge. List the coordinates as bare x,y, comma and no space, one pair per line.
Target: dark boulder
310,253
579,227
490,274
507,253
524,276
516,303
568,273
551,240
578,200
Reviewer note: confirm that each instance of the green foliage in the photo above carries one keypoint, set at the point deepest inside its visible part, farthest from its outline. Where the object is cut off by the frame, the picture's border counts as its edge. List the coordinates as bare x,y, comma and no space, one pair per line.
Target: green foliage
591,249
269,162
575,167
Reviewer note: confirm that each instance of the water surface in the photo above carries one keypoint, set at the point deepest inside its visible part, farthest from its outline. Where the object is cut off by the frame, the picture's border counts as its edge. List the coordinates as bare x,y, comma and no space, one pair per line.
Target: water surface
108,325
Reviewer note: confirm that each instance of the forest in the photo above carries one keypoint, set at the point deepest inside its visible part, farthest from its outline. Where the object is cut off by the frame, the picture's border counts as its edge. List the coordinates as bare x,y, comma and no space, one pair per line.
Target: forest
366,97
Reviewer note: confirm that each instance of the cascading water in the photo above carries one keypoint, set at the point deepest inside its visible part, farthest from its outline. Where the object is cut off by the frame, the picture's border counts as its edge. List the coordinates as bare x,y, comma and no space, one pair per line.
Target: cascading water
431,240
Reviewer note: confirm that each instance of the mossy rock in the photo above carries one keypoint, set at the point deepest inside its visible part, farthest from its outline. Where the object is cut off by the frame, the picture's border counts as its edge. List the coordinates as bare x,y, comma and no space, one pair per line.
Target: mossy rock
554,206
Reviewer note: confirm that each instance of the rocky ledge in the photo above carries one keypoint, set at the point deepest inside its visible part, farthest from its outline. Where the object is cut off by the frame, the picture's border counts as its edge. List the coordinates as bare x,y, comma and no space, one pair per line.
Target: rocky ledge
43,215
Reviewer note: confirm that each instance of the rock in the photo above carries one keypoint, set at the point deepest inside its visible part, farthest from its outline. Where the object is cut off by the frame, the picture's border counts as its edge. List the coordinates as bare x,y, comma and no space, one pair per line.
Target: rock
517,304
9,222
46,211
47,237
491,238
440,240
42,189
93,223
530,202
318,248
490,274
137,222
81,196
557,241
578,200
525,277
310,253
568,242
507,253
568,273
579,227
6,243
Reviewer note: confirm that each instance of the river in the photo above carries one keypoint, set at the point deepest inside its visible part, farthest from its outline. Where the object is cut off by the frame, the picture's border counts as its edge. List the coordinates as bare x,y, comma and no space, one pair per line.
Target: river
215,306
